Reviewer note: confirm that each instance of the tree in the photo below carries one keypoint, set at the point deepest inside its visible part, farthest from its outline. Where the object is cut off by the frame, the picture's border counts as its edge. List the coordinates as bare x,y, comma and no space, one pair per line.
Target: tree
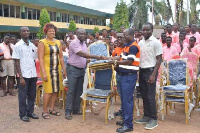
121,16
44,19
96,29
72,25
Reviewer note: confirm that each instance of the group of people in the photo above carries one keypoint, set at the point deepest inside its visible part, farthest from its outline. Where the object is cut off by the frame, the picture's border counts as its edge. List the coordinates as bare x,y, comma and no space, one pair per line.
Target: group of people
131,51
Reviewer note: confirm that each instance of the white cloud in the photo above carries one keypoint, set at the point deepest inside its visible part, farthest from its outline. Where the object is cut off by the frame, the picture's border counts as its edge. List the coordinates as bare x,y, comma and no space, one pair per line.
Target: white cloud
100,5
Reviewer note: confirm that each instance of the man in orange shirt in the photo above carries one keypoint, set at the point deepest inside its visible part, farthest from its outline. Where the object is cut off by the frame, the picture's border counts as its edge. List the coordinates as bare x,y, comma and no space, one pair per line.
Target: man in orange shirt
117,52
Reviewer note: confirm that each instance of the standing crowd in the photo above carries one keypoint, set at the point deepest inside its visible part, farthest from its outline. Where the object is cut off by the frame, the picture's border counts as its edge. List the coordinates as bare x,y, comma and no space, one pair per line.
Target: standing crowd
131,51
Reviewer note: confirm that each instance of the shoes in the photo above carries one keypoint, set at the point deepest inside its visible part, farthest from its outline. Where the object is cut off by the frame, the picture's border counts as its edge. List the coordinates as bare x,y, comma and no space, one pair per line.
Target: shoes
77,113
120,123
12,93
68,116
143,120
151,125
119,113
124,129
33,116
25,119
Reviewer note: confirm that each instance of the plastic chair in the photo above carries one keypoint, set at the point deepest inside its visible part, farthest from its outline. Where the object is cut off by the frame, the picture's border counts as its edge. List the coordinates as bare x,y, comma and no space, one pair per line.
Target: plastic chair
177,88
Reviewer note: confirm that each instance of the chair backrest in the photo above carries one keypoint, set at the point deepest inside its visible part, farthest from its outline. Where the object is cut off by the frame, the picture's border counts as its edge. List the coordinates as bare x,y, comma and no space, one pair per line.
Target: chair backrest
192,60
103,79
177,72
38,68
99,48
176,57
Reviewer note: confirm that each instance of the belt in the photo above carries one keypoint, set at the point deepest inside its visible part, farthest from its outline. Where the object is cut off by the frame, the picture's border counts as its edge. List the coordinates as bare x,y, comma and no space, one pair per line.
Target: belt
75,66
7,59
147,69
125,74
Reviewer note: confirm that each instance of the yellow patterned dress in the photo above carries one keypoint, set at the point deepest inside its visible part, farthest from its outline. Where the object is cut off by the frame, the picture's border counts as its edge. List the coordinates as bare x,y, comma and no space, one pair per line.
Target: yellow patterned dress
52,66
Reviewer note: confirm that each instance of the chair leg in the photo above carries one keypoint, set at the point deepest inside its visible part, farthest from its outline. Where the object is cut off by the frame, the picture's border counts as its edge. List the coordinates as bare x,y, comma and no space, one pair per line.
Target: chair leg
91,108
84,107
107,108
186,108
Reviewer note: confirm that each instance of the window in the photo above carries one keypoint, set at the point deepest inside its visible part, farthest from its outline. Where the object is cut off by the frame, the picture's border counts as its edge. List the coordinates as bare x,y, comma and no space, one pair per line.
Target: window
12,11
6,10
86,20
1,9
64,17
38,14
18,13
52,16
34,14
94,21
77,19
30,13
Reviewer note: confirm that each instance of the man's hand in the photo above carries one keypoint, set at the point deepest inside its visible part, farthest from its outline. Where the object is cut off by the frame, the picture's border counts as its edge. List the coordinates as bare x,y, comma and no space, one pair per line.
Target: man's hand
111,62
64,74
1,68
152,79
101,58
22,81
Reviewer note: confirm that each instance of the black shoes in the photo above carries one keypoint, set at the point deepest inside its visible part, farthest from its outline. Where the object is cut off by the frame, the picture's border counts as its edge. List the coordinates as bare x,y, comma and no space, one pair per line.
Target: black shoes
120,123
33,116
124,129
119,113
77,113
25,119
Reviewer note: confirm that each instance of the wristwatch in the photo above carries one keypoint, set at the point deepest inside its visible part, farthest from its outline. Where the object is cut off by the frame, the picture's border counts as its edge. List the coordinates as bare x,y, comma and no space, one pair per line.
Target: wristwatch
115,62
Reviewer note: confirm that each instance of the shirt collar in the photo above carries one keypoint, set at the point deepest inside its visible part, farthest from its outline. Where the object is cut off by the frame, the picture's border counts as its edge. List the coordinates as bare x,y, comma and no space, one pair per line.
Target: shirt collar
22,42
128,44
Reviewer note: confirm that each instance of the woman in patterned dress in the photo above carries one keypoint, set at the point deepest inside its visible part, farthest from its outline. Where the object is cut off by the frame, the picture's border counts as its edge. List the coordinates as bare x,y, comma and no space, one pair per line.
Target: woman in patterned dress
51,68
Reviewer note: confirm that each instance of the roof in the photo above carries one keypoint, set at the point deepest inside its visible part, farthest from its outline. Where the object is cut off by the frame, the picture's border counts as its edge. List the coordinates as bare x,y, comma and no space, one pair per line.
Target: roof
67,6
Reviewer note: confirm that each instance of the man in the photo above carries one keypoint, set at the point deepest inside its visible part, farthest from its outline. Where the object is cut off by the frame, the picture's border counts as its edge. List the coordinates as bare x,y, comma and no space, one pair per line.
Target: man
190,48
112,32
182,43
176,32
169,51
170,33
163,39
194,33
25,54
150,60
104,34
128,65
117,52
8,67
75,73
36,41
13,39
122,29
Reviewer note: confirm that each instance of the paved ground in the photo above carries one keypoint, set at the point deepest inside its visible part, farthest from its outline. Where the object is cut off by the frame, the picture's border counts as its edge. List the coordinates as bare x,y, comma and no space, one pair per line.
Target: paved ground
10,122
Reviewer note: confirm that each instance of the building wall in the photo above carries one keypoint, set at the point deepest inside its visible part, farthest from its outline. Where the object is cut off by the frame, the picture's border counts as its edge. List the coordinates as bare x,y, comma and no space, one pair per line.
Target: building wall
33,21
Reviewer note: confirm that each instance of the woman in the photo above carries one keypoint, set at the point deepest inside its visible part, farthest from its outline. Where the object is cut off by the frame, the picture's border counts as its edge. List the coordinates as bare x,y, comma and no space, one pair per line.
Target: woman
51,60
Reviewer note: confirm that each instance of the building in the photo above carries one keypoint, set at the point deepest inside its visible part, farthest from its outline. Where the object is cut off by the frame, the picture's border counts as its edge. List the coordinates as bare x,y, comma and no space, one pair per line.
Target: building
17,13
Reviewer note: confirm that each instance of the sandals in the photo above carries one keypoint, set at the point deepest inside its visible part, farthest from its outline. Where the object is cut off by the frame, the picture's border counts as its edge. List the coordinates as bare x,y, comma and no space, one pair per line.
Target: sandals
53,112
45,115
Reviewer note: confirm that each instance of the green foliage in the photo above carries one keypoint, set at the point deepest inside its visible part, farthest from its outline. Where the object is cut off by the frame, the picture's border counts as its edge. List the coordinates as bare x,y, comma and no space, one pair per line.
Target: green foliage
96,29
44,19
138,13
121,16
72,25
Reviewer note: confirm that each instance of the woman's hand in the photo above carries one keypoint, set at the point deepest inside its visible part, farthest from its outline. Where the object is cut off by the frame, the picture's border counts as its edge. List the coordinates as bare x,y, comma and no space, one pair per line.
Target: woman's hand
44,77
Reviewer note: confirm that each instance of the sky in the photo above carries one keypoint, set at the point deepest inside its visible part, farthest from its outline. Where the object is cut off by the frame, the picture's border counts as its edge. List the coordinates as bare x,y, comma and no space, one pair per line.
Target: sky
109,5
100,5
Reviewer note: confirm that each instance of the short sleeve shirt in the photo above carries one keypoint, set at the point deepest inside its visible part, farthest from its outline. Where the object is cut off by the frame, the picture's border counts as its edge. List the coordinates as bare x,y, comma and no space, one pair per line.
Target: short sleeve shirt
27,54
149,49
6,50
74,59
168,53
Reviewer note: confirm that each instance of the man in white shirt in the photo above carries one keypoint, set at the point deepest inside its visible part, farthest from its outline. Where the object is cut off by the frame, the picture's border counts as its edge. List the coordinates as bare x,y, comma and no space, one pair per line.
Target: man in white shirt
150,60
25,54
